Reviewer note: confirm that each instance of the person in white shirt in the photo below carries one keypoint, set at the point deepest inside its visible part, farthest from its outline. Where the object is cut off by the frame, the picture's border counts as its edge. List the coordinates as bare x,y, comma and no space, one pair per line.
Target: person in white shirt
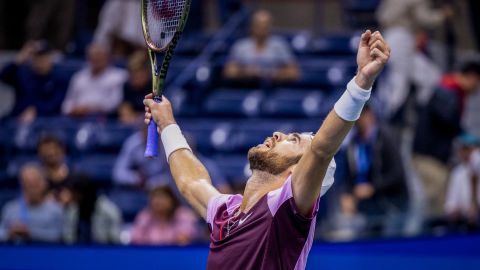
120,26
463,195
95,84
262,55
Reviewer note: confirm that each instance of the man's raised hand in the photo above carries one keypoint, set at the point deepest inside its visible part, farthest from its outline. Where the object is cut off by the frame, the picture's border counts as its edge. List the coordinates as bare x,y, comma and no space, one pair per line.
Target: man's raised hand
373,53
161,112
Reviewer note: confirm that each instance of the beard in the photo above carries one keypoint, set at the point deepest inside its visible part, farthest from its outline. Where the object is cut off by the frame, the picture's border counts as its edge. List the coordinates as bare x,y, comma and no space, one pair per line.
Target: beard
269,161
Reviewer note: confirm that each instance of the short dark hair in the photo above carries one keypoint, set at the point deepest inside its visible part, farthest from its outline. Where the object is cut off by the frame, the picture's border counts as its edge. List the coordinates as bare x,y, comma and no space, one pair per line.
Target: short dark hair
49,138
471,67
162,190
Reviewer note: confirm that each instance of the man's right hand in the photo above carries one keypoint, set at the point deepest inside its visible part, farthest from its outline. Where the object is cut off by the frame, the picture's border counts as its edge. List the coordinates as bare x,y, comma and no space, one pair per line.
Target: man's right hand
161,112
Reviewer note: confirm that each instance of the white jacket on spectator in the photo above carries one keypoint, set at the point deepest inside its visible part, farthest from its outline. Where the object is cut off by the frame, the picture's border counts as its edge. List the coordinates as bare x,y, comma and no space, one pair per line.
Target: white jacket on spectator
459,193
106,223
120,18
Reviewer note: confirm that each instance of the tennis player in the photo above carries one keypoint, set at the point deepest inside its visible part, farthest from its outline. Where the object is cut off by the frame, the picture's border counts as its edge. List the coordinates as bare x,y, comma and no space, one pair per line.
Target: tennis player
272,225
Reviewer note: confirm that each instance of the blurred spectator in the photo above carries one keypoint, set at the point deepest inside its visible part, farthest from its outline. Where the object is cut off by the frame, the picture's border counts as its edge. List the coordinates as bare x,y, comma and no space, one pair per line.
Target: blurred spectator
401,21
133,169
262,56
39,88
32,217
52,20
120,26
134,90
164,221
463,194
439,122
51,152
96,89
90,218
375,185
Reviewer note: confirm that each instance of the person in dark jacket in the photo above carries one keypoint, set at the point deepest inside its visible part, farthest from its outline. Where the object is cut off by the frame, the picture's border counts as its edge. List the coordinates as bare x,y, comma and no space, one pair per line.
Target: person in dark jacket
439,122
375,180
39,87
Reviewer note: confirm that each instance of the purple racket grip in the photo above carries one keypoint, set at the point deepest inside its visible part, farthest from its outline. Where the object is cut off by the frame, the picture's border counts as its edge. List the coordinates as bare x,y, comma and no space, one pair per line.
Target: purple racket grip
151,150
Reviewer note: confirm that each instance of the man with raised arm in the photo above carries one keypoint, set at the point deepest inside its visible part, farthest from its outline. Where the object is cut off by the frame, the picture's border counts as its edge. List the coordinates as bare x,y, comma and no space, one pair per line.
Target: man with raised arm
272,225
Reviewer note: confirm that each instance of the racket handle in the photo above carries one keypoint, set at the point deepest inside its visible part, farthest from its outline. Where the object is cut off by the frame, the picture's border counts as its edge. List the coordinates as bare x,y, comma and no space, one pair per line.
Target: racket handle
151,149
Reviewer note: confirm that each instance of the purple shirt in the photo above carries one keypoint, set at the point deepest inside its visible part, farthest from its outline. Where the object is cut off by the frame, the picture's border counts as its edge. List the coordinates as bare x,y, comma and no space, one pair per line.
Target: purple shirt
272,235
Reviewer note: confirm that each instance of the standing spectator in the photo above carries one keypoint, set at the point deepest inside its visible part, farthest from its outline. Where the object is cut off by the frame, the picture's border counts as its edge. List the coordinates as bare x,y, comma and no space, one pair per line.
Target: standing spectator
96,89
463,193
262,56
51,152
32,217
439,122
90,218
376,181
134,90
120,26
52,20
401,21
164,221
39,89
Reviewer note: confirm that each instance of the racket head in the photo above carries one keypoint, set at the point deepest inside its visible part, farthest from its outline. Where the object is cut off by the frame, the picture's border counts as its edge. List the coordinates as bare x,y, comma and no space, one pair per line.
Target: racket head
161,19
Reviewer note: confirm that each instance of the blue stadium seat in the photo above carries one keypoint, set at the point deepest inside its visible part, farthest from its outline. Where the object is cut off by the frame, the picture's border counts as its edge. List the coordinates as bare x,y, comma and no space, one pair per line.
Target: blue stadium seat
130,202
97,166
253,132
229,102
234,167
68,67
16,163
110,138
326,73
200,130
25,138
294,103
8,194
334,44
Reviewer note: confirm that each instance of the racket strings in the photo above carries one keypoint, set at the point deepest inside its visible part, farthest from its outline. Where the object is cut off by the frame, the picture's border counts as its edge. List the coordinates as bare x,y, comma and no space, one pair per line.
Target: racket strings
163,18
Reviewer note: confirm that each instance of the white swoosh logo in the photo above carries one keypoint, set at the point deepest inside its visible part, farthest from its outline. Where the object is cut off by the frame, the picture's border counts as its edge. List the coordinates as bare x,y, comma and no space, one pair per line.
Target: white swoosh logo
242,220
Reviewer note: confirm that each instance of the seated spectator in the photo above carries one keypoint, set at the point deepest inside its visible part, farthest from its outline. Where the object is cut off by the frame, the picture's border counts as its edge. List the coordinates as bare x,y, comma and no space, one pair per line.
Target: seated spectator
134,90
164,221
39,88
51,152
462,205
133,169
375,182
439,122
32,217
262,56
96,89
89,217
120,25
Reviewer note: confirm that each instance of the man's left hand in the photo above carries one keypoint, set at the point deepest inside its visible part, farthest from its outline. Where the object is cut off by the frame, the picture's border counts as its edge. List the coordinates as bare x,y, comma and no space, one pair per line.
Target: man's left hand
373,53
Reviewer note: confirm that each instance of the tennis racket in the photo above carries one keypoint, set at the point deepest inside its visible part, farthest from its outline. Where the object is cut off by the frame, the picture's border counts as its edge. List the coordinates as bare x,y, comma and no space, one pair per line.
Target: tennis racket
162,22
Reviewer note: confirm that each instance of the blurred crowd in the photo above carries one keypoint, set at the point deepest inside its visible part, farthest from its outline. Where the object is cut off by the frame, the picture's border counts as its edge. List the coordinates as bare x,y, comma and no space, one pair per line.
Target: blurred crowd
411,165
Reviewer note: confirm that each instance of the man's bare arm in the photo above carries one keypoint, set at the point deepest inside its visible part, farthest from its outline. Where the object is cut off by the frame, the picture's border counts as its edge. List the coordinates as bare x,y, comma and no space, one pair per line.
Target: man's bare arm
307,178
190,176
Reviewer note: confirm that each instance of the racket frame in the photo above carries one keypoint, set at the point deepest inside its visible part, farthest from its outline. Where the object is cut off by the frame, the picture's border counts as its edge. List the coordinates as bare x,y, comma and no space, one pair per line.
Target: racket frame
159,71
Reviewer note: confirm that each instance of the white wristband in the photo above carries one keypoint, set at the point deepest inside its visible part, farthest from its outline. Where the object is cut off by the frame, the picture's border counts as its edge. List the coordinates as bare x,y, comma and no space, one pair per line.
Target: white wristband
173,140
350,104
